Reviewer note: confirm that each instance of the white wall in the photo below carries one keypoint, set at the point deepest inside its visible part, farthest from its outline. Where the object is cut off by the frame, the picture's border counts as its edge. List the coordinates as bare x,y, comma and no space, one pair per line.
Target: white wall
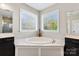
63,7
15,8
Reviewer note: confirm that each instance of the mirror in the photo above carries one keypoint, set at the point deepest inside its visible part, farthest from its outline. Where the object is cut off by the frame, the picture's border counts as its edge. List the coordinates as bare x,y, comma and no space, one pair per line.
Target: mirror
73,22
5,21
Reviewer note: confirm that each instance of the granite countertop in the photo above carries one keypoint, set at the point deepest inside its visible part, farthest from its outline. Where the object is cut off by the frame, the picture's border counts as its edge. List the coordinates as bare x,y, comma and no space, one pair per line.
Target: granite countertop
22,42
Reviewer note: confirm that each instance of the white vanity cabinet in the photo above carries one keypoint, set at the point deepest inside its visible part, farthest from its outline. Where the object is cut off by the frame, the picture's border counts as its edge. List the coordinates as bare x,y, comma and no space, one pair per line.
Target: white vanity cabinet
26,51
52,51
39,51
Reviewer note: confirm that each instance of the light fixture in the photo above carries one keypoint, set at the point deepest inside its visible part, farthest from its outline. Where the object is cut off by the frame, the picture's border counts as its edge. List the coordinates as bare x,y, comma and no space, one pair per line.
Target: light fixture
2,5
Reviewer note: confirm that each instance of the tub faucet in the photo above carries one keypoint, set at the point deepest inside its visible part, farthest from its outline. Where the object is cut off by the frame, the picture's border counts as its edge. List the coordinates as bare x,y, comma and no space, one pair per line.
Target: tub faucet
39,33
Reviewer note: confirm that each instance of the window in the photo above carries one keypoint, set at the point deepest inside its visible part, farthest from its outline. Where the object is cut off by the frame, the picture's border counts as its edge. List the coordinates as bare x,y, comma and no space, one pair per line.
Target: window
28,21
50,21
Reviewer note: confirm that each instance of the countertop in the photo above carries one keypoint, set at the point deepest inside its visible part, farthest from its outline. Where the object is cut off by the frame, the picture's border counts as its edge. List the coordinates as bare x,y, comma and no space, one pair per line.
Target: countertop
22,42
73,36
58,42
4,35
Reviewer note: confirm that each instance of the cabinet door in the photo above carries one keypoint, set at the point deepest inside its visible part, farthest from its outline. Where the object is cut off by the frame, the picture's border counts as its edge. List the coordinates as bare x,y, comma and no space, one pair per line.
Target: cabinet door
52,51
23,51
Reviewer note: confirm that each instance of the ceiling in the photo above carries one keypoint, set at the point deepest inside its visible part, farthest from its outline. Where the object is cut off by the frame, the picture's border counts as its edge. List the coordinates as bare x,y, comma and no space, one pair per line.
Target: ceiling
40,6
